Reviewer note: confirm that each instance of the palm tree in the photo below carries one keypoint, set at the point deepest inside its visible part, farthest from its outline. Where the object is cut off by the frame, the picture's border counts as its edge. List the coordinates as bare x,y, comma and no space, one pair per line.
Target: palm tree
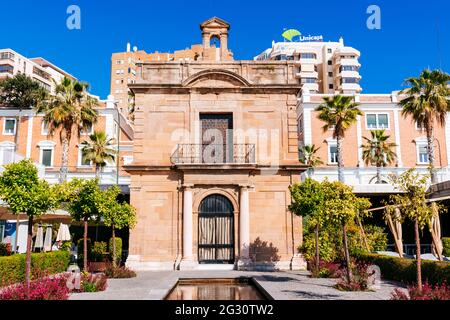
378,151
309,157
70,108
428,99
99,150
339,113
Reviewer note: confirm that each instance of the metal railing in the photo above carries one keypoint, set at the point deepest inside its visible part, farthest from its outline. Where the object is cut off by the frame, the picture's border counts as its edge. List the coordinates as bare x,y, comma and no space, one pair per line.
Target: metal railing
410,249
214,154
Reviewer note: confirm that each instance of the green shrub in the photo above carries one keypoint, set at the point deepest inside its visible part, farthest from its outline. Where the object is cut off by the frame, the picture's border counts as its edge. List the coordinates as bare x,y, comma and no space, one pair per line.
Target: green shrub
66,246
99,251
118,249
446,244
12,268
327,249
404,270
377,238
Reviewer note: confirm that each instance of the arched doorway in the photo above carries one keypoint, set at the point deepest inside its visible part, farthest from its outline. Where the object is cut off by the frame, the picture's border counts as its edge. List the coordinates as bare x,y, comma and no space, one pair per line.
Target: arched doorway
216,230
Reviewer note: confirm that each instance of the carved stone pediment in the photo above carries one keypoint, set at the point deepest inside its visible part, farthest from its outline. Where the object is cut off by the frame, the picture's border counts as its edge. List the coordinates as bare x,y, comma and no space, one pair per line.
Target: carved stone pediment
216,79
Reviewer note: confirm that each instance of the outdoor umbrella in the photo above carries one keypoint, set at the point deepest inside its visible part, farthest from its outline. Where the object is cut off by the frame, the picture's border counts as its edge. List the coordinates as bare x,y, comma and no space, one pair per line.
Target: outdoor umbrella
63,233
48,239
39,242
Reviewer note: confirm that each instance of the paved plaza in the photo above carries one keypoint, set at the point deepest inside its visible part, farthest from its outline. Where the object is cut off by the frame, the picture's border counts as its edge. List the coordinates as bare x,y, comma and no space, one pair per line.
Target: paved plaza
294,285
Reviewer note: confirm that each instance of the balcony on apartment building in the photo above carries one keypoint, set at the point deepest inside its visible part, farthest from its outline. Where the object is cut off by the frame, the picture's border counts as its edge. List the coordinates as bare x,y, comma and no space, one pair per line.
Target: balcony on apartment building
363,180
214,154
108,174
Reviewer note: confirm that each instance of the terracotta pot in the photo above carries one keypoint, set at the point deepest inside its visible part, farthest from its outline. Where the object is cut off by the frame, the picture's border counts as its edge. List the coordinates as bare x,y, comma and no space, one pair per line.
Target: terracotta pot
97,266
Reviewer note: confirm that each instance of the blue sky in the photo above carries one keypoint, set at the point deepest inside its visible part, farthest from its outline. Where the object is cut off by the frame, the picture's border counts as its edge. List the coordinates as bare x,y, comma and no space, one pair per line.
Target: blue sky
407,42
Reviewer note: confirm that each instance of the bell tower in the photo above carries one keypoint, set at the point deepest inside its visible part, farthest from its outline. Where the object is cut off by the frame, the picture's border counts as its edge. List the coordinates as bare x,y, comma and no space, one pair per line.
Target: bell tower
215,28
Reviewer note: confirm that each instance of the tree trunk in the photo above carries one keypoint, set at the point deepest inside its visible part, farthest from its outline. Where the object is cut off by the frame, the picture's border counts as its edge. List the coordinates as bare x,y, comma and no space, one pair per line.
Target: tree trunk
363,234
317,249
378,174
418,258
396,233
430,142
97,172
85,250
64,160
114,246
346,253
28,256
340,159
435,230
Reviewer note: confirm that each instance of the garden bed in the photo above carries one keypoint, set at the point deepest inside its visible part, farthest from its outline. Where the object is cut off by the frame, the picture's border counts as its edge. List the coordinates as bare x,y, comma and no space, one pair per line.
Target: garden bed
404,270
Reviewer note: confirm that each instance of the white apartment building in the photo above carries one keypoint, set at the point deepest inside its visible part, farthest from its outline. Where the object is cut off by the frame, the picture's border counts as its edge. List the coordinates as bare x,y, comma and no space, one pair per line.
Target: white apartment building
379,112
41,70
323,67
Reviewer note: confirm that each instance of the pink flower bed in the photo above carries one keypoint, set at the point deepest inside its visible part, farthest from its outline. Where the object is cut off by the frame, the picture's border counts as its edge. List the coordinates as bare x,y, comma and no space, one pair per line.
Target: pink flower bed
50,288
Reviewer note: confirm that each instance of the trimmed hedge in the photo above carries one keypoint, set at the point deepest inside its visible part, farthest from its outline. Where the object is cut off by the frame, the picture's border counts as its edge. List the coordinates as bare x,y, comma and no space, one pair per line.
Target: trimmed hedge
404,270
12,268
446,245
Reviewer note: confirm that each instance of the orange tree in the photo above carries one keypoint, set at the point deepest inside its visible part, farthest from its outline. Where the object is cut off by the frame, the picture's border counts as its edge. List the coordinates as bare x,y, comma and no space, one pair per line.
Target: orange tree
24,192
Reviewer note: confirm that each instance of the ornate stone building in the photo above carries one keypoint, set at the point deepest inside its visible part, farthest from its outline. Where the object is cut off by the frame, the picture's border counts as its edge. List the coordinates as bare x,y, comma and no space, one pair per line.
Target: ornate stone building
215,151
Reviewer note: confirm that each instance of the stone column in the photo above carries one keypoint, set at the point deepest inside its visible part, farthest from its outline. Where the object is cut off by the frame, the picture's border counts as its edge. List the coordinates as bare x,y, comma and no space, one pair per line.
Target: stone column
188,261
244,229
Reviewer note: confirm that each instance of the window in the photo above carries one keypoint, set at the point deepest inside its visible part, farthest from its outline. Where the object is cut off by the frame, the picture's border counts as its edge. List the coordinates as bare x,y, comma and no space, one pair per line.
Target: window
348,68
419,127
119,71
46,157
307,55
422,153
87,130
9,127
330,86
330,74
82,161
6,68
7,152
330,62
332,154
119,61
44,128
377,121
349,80
7,55
308,80
329,50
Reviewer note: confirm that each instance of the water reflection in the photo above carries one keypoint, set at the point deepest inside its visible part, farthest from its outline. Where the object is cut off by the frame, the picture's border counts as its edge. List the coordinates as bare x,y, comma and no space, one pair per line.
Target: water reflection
215,290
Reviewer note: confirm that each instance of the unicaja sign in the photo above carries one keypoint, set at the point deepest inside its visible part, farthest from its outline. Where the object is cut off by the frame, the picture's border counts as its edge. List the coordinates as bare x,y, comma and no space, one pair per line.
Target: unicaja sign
291,33
311,38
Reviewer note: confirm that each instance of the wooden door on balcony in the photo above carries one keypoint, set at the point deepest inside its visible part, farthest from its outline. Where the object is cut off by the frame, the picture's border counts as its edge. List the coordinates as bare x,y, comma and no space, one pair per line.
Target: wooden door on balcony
217,138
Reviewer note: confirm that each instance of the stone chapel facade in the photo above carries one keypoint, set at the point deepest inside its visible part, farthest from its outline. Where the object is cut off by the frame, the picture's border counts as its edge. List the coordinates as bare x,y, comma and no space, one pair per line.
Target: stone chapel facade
215,151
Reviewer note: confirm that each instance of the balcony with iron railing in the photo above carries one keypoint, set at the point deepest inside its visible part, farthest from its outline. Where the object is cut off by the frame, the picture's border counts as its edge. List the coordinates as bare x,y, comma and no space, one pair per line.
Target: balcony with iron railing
214,154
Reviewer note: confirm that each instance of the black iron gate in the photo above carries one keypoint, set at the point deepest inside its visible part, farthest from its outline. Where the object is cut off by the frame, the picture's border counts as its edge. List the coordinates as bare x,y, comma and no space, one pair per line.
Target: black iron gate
216,230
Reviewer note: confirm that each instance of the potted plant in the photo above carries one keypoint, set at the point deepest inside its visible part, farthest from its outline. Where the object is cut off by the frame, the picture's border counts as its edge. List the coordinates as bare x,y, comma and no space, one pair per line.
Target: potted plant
99,260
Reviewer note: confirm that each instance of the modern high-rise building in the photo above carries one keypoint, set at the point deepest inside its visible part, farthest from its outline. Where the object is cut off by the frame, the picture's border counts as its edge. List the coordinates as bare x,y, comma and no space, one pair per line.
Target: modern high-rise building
39,69
323,67
123,65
